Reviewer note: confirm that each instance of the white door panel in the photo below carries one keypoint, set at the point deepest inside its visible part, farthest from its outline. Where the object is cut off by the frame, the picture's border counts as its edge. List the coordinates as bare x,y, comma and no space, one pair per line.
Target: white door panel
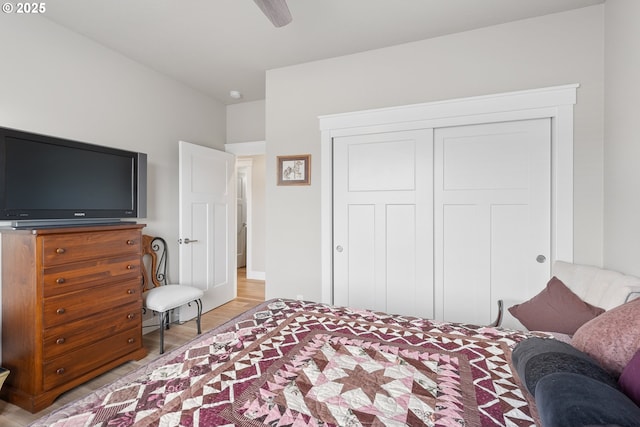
382,166
207,212
492,196
241,225
401,270
442,224
464,284
383,219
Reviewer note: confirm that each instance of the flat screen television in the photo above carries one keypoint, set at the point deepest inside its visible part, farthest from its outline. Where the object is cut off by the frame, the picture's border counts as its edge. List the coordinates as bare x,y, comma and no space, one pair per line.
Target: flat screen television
46,180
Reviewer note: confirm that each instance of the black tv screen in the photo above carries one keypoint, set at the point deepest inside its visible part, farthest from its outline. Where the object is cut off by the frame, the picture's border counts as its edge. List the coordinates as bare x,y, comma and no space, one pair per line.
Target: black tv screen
48,178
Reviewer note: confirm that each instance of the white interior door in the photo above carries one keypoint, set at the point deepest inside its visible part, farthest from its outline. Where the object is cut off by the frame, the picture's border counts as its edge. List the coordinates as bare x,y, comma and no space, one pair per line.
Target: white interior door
241,210
207,228
383,222
492,198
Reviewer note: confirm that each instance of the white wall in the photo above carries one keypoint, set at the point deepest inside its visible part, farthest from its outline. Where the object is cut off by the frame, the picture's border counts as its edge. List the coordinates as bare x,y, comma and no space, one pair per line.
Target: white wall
547,51
245,122
622,137
56,82
258,216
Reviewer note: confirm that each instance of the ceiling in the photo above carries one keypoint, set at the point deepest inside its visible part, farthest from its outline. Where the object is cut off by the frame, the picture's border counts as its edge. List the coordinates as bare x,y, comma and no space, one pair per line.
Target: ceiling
216,46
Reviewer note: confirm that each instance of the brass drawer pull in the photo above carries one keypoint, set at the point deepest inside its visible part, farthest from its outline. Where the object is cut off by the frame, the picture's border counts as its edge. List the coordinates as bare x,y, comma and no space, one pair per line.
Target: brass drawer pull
131,316
60,341
60,251
131,291
61,311
60,280
131,340
131,242
130,267
60,371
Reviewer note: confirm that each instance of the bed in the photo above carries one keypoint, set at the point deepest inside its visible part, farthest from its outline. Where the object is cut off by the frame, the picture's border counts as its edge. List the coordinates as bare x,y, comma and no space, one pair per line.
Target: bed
295,363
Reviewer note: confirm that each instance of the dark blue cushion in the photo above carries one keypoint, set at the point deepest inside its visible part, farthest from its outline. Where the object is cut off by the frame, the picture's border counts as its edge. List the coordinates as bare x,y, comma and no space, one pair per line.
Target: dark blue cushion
535,358
574,400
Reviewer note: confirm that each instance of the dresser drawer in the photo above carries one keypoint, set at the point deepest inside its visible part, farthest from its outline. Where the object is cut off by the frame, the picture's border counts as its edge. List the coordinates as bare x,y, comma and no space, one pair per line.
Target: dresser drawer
71,306
71,277
85,359
67,248
80,333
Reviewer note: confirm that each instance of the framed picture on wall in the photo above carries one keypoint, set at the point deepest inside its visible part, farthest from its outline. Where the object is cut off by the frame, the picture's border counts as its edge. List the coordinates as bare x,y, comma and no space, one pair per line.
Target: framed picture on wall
294,170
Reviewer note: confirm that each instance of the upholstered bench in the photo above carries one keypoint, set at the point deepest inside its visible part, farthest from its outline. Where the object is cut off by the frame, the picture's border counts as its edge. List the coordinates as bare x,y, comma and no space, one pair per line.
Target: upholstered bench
590,374
598,287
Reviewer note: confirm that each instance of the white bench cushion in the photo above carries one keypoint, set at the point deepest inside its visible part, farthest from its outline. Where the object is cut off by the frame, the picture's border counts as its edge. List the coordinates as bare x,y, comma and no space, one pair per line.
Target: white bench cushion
603,288
167,297
599,287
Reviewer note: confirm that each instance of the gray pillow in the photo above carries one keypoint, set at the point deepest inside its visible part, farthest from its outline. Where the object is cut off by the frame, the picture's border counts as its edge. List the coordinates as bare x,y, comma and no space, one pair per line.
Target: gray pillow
573,400
535,358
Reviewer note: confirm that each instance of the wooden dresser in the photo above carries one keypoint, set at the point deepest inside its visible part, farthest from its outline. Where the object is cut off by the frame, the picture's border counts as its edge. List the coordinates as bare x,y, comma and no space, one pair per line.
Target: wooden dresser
71,308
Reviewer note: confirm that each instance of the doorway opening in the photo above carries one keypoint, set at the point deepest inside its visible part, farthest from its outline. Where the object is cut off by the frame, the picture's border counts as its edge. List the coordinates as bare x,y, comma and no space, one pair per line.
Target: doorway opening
251,224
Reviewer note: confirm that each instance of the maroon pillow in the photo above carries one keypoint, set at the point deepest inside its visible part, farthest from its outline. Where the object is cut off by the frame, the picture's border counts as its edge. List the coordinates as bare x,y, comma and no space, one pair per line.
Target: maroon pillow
555,309
630,379
612,338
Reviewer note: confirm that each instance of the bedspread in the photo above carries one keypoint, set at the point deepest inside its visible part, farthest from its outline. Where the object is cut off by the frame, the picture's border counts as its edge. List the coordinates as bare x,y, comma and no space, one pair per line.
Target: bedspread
294,363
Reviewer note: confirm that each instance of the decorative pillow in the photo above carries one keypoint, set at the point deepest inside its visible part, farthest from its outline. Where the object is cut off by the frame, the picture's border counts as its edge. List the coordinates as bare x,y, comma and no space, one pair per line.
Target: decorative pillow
568,400
630,379
535,358
555,309
612,338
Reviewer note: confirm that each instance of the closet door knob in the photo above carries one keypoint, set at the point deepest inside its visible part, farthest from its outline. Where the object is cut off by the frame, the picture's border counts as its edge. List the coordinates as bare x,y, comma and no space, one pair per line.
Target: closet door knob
541,259
339,248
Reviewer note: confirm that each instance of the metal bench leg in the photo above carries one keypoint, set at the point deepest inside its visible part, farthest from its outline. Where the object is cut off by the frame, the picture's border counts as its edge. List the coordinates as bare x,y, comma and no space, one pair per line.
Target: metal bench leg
498,320
199,304
163,323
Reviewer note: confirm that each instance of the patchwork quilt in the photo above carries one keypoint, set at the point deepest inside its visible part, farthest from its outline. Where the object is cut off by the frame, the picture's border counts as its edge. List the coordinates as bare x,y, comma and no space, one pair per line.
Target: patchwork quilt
295,363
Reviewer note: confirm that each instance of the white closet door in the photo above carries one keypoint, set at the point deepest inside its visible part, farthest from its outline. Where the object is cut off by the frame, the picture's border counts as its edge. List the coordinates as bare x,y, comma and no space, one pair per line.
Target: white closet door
383,222
492,196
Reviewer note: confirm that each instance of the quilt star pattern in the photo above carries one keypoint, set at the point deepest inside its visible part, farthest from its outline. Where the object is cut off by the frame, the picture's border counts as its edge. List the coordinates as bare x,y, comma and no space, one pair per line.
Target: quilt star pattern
295,363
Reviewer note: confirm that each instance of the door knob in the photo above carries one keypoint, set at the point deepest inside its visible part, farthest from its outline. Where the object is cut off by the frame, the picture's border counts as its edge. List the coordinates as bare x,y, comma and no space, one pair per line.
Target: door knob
541,259
186,241
339,248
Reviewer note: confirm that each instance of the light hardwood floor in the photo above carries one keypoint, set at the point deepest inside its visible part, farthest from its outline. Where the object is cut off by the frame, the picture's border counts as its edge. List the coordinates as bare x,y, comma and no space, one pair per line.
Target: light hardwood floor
250,294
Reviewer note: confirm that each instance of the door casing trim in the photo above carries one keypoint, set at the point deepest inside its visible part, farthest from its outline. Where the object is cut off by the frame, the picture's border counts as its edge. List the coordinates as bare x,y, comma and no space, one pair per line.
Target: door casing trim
552,102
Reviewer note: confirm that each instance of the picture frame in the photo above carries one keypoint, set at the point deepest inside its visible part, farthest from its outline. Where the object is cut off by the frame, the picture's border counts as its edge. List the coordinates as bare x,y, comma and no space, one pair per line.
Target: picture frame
294,170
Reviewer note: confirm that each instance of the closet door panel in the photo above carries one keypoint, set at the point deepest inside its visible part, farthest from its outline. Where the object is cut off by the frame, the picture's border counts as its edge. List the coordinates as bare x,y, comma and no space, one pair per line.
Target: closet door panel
509,224
383,222
361,266
492,197
490,161
464,297
382,166
401,257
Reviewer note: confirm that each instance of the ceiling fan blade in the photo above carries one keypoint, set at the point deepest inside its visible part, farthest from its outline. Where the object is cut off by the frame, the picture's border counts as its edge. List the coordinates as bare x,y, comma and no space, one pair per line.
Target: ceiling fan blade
276,10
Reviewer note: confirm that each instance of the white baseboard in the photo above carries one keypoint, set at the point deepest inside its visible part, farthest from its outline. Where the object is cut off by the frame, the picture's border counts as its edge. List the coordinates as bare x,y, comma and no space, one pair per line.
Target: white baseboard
256,275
